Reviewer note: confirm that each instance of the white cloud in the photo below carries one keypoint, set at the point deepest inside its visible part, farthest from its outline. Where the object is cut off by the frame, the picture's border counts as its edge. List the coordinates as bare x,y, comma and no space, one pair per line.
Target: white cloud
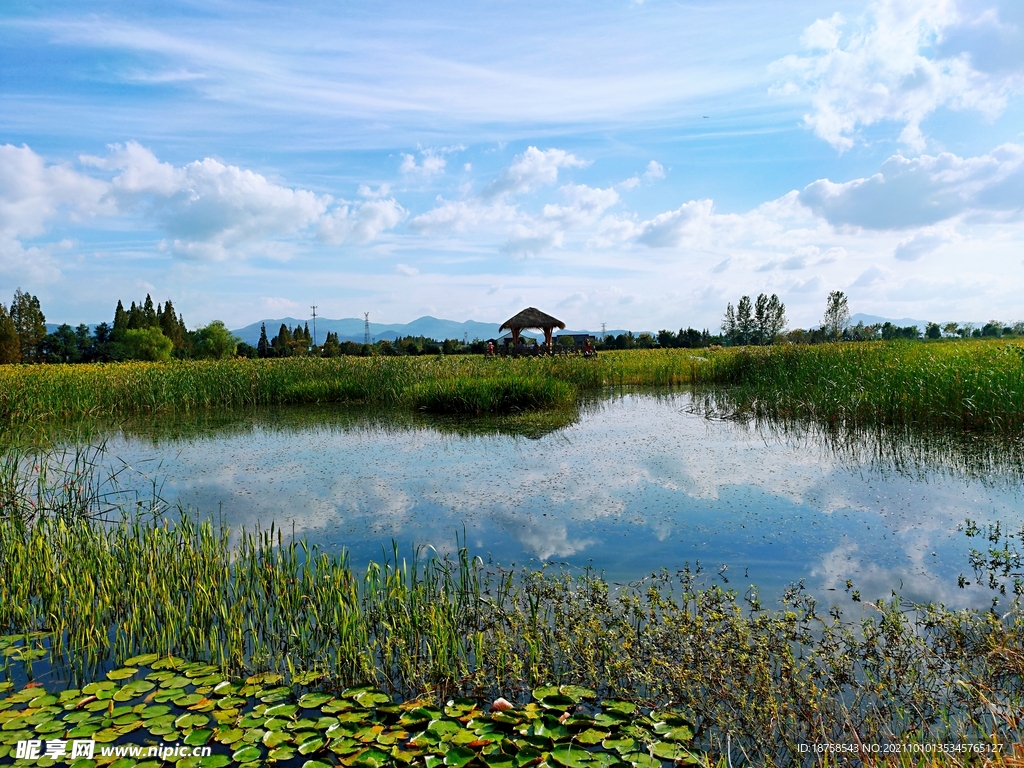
885,67
925,241
655,170
33,193
369,192
923,190
530,170
360,223
688,223
430,164
210,211
405,269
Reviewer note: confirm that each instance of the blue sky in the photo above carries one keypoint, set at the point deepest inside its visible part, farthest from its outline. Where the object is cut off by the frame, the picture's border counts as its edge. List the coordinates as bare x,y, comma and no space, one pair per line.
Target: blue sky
634,163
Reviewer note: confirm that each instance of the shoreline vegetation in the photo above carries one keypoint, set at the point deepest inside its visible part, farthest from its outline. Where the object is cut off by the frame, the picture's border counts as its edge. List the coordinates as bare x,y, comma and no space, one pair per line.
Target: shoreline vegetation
975,385
763,679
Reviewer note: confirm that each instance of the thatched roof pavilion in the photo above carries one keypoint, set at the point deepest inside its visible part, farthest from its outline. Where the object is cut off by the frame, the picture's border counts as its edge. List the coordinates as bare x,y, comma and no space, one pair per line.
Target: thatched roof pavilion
532,318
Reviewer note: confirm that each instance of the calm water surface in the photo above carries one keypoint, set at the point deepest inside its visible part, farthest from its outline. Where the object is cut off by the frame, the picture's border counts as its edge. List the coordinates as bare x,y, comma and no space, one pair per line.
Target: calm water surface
637,483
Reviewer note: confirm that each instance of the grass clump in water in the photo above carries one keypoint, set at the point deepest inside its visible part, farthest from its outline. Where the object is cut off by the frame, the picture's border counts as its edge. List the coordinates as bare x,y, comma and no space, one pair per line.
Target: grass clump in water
505,394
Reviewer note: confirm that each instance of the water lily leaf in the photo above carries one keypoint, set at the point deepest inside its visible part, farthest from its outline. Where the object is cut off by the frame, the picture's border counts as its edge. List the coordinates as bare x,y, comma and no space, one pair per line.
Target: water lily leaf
577,693
641,760
674,733
273,739
528,755
273,695
315,764
199,737
544,691
338,705
167,662
226,687
615,705
444,729
309,746
144,660
499,760
307,678
622,746
673,751
246,754
191,721
457,756
229,736
372,758
51,726
591,736
264,678
571,756
370,698
94,688
281,710
213,761
314,700
106,735
557,701
188,700
344,746
280,754
231,702
121,674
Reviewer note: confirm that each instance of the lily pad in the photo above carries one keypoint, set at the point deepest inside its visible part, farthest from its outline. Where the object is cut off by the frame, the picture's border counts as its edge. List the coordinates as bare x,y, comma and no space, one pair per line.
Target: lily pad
672,751
591,736
571,756
457,756
282,710
199,737
122,674
314,700
229,736
247,754
273,739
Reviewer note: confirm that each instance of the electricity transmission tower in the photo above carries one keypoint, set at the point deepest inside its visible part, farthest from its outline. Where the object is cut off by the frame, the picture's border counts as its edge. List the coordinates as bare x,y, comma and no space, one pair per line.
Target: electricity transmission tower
603,326
366,328
314,324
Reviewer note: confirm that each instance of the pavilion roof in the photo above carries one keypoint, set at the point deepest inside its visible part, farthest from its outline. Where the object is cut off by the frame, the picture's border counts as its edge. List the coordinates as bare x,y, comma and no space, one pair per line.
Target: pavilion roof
532,317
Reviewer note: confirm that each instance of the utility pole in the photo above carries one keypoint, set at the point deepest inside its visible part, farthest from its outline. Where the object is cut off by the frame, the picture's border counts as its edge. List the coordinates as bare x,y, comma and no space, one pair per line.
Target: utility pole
314,324
603,325
366,329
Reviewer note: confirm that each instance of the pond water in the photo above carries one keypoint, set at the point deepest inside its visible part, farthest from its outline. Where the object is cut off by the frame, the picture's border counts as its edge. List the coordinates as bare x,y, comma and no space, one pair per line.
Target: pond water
635,483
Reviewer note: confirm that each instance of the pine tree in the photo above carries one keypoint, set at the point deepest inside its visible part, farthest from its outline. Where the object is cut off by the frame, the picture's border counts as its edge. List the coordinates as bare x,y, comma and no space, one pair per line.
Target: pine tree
263,346
136,318
120,318
149,314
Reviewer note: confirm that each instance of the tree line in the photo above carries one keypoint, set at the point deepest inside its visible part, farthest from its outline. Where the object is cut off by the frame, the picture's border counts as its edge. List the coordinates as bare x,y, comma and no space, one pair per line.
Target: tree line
144,331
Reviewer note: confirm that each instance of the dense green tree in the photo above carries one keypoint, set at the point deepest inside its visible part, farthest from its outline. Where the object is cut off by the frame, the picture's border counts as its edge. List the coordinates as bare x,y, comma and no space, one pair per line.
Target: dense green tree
216,342
837,315
729,323
146,344
10,344
745,321
61,346
30,324
769,318
933,331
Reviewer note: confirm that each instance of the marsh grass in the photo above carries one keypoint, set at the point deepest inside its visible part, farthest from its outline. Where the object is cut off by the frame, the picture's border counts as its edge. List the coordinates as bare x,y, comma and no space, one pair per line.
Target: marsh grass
968,385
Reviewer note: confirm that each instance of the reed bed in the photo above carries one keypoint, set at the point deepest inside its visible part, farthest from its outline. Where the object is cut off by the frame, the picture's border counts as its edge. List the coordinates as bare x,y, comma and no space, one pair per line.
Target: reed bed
970,385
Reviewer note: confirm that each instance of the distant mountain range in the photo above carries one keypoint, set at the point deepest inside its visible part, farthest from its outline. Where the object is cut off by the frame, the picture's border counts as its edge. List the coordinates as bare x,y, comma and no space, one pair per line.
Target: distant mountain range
352,329
902,322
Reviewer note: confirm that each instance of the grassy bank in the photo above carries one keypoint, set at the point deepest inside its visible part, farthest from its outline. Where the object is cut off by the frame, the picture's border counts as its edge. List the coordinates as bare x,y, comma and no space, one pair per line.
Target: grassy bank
771,679
972,385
